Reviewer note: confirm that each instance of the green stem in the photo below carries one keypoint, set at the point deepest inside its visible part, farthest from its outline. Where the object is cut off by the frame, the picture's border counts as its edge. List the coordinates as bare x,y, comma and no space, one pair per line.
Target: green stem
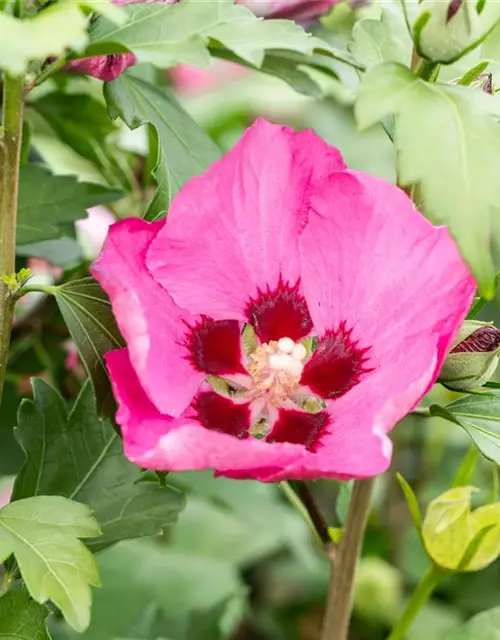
427,70
49,290
419,597
10,153
49,70
339,604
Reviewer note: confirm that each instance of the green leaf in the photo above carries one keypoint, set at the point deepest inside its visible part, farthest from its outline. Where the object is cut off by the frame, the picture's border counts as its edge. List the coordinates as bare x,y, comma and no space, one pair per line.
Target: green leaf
479,415
484,626
106,8
384,40
43,533
412,502
50,33
83,124
21,618
138,574
87,312
48,202
184,150
167,35
76,455
453,164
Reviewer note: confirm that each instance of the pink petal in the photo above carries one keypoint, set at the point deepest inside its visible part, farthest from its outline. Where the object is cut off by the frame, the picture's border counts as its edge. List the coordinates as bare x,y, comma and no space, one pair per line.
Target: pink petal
376,268
152,325
233,232
156,441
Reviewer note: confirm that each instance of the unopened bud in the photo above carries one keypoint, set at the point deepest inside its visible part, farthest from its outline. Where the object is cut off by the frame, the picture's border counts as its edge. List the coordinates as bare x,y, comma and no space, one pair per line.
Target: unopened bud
445,30
473,357
378,591
450,527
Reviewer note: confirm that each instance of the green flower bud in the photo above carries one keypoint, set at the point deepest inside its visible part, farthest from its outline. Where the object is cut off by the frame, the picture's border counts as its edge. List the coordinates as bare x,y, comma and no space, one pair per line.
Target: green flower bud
473,357
445,30
450,527
378,591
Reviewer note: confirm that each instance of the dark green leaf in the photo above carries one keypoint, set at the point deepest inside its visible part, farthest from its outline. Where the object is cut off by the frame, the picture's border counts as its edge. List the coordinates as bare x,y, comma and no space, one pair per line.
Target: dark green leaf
48,202
61,252
167,35
21,618
458,188
76,455
87,312
138,574
184,150
83,124
485,626
479,415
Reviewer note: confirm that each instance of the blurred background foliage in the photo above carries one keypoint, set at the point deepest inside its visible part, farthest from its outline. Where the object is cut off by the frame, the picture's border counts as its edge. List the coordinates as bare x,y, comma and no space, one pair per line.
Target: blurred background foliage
241,562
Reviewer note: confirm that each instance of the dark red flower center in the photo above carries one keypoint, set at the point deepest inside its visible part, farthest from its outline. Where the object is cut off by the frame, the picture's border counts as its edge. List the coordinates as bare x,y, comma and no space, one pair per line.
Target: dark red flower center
274,372
215,346
218,413
298,427
280,312
336,366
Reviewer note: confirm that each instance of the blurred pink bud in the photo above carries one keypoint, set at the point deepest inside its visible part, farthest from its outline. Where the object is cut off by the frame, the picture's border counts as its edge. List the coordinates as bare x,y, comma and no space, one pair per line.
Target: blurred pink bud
291,9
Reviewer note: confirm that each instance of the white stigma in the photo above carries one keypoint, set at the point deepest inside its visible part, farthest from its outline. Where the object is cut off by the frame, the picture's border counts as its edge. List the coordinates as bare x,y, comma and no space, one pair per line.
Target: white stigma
289,357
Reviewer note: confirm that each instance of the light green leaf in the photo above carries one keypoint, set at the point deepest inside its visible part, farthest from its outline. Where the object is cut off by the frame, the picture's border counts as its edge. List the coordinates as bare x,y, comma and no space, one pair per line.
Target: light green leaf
167,35
411,501
485,626
479,415
184,150
43,533
50,33
453,164
107,9
87,312
48,202
383,40
74,454
21,618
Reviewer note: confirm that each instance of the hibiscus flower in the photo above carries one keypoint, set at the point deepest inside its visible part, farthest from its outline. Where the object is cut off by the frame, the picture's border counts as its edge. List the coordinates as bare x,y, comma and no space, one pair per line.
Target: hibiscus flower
282,319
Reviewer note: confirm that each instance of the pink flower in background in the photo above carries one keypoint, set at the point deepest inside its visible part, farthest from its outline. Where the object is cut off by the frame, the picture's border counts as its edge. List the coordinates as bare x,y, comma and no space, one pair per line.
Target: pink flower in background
290,9
93,229
219,303
109,67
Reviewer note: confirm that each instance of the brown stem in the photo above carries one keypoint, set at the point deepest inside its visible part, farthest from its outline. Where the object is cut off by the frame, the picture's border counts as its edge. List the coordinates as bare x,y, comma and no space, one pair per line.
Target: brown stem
339,604
10,152
317,518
